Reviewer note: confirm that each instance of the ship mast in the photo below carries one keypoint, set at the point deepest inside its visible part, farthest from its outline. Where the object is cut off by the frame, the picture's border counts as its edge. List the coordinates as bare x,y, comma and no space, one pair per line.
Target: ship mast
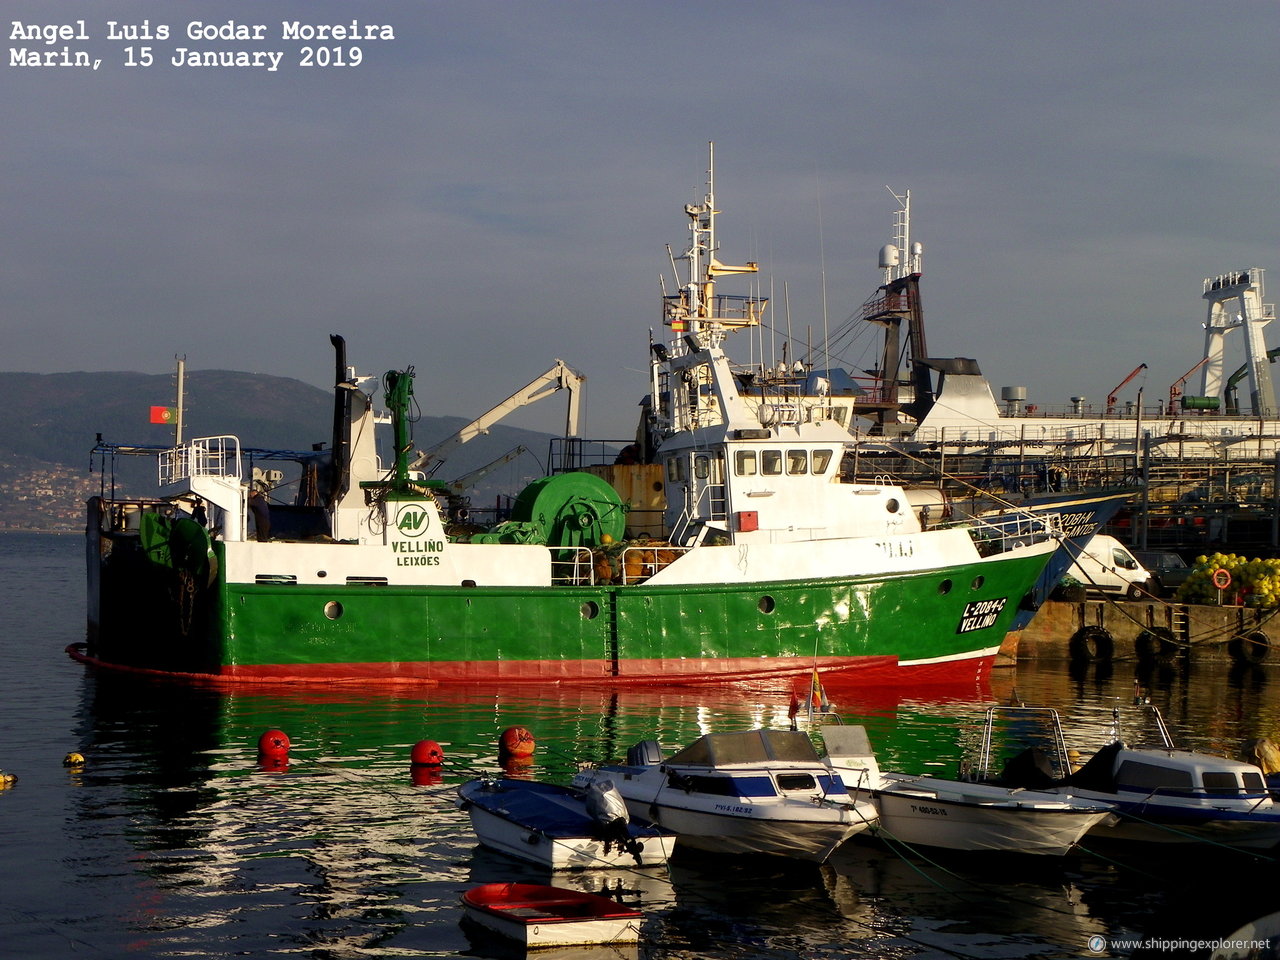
901,259
700,289
181,389
897,305
697,313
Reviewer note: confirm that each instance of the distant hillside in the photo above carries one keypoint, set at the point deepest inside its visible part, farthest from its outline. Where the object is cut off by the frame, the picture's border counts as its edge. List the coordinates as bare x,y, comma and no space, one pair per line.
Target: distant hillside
49,424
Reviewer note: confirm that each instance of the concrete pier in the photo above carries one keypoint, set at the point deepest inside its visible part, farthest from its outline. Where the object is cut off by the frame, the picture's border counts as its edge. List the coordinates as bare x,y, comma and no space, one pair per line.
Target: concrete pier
1096,630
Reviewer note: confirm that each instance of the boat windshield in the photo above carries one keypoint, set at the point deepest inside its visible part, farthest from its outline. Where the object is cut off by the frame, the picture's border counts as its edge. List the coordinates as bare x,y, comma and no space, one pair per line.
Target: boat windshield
747,746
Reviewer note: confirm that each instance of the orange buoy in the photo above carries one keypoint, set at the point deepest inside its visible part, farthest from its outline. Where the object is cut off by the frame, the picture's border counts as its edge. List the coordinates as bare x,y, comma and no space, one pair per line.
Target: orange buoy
273,749
426,753
516,743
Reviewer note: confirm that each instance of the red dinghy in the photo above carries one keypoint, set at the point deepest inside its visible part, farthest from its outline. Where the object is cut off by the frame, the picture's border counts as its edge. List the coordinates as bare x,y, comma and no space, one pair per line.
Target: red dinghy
541,916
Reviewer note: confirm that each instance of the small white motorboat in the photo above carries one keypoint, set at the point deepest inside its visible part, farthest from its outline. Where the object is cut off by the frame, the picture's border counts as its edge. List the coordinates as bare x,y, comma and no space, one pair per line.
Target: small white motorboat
561,828
745,792
539,916
959,815
1160,793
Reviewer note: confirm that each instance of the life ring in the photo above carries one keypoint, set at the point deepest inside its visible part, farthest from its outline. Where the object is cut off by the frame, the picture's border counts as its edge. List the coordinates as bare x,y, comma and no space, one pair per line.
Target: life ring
1253,647
1157,643
1221,578
1091,645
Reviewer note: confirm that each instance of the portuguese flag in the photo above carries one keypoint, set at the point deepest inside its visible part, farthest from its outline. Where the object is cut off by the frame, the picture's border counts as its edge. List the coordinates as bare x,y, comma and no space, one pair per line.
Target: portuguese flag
163,414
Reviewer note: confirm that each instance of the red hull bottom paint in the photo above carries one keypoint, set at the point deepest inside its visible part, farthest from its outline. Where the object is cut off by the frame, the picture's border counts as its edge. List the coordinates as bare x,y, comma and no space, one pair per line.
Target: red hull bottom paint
877,671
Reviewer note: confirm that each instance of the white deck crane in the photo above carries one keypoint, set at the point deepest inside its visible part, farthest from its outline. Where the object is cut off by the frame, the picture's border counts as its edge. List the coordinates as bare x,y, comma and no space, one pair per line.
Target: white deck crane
560,377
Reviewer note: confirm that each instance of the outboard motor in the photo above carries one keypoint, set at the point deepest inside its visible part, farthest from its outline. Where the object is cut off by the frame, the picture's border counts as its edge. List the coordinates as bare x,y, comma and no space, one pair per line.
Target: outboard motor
605,804
609,812
643,754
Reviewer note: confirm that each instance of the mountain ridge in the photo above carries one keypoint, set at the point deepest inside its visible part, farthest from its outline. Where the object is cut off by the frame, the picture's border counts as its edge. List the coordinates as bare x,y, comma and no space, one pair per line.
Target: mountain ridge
52,421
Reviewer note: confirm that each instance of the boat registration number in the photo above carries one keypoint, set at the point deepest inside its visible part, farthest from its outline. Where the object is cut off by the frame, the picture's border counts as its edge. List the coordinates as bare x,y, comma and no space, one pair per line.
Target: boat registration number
931,811
981,614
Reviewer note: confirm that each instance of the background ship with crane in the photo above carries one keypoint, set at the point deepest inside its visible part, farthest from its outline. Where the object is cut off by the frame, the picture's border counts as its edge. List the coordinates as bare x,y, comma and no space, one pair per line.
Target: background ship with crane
1200,469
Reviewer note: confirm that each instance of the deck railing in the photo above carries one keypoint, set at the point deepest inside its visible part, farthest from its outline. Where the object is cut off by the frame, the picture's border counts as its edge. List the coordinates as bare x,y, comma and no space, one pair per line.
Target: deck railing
205,457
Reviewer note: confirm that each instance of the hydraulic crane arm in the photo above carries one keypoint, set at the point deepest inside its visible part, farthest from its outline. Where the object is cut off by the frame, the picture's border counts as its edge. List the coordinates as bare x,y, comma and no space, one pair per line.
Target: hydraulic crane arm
560,377
1111,397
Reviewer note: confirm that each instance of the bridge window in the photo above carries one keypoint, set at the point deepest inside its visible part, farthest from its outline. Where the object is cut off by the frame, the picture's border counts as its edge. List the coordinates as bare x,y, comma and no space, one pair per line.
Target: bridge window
821,460
771,463
797,462
745,463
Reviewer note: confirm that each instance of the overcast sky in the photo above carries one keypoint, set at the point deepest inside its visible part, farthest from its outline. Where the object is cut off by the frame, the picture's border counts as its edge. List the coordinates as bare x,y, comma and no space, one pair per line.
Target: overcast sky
494,188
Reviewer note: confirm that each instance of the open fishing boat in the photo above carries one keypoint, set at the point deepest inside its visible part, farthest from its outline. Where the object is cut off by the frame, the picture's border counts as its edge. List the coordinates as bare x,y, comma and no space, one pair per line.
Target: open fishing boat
746,792
561,828
956,814
768,564
539,916
1161,794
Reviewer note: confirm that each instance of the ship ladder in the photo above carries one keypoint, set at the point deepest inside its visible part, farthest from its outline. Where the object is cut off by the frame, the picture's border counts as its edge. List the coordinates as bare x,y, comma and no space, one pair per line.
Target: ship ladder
1180,624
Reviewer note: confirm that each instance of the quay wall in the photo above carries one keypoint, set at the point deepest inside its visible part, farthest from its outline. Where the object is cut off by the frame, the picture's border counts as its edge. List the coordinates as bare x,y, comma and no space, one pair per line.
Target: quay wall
1090,630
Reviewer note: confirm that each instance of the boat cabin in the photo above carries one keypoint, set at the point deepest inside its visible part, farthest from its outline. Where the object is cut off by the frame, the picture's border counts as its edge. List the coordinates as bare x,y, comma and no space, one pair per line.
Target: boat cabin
744,763
1180,773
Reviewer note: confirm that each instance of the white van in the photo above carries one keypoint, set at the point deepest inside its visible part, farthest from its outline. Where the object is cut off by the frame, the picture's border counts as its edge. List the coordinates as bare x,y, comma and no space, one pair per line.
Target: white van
1105,565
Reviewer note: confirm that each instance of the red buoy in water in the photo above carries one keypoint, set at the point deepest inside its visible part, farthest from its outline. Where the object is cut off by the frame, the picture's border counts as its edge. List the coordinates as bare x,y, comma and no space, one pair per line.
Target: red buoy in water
516,743
273,748
426,753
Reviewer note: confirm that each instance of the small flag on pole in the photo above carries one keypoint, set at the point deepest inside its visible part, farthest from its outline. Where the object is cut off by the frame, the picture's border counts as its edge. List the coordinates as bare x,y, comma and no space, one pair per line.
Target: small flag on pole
163,414
817,696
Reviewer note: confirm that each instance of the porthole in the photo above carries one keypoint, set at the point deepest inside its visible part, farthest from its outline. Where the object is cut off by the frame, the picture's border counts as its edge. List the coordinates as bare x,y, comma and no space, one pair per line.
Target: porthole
766,604
590,610
322,574
977,583
944,588
891,505
333,610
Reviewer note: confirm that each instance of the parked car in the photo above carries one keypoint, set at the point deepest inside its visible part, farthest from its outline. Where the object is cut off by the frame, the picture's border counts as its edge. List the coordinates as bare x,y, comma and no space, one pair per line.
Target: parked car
1168,570
1106,566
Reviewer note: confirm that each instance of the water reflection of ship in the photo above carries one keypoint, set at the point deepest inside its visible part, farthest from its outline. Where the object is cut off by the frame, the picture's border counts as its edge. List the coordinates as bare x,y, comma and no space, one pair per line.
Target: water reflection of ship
194,747
175,723
340,840
975,896
354,856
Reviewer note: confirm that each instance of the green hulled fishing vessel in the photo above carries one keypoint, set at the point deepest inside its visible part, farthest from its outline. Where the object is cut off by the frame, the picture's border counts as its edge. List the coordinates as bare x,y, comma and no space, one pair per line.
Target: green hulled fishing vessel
768,563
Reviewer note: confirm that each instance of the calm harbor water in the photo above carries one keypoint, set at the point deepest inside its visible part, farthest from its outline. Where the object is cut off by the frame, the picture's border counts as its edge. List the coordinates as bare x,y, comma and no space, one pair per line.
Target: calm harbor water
171,841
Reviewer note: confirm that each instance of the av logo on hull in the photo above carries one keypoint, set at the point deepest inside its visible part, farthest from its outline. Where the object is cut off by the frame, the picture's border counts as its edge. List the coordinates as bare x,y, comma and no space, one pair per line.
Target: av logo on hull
412,520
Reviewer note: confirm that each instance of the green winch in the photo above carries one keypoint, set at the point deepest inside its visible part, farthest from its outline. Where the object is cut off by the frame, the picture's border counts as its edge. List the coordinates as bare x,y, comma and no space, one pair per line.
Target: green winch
564,510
